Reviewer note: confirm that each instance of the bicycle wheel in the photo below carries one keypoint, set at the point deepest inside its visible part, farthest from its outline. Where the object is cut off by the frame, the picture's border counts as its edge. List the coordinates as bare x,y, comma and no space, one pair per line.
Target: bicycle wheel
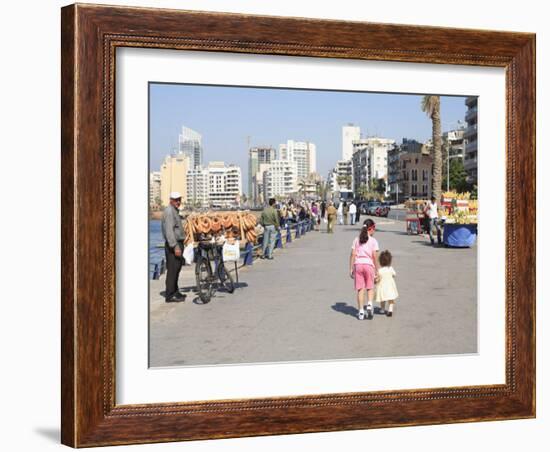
203,273
225,278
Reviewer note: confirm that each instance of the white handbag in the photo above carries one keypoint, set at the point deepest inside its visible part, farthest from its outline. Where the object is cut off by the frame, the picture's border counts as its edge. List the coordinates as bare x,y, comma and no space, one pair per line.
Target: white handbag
231,252
188,254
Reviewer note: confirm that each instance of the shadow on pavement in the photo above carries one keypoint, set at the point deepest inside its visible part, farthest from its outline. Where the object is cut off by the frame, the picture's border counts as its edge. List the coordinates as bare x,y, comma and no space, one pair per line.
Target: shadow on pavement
345,308
427,243
397,232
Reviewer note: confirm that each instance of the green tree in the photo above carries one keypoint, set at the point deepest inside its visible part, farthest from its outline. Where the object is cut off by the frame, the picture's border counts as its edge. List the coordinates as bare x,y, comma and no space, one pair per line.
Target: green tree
363,191
344,181
457,176
380,186
322,188
431,105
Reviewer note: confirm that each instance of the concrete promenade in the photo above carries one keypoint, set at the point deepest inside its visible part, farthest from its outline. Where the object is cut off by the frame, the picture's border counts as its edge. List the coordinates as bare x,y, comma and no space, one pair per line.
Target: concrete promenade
301,306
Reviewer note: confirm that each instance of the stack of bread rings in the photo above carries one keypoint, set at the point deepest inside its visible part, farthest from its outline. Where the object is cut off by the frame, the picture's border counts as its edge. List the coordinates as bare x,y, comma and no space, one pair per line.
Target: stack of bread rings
238,225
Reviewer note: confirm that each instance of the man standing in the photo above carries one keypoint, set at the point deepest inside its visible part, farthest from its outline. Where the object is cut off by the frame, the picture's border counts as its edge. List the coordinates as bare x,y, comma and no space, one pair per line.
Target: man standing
431,212
270,221
323,208
331,217
172,231
345,212
352,213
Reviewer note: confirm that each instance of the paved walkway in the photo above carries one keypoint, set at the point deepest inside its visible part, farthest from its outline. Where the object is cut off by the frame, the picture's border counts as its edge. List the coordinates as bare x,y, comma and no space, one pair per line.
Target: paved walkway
301,306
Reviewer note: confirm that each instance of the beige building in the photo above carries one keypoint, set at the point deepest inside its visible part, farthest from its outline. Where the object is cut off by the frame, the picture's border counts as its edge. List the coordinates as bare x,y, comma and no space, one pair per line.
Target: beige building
415,175
173,176
154,190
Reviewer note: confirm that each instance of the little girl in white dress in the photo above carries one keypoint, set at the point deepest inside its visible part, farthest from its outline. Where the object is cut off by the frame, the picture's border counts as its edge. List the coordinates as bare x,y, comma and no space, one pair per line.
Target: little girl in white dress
386,288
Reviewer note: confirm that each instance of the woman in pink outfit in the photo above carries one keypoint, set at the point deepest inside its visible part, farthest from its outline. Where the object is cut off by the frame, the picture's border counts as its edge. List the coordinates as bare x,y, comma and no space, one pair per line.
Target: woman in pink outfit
363,263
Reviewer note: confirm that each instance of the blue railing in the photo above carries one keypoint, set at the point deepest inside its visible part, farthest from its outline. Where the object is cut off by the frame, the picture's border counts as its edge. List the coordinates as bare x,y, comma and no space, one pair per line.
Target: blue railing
283,235
155,270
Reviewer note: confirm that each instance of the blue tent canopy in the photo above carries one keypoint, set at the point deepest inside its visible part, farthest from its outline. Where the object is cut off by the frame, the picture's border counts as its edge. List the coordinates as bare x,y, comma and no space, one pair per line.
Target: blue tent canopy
459,235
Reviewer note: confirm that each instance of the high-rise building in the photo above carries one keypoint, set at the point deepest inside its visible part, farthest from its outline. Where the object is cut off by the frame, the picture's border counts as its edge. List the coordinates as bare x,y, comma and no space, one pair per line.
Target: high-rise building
453,142
258,156
393,171
190,143
350,133
303,153
370,161
154,189
259,188
344,175
280,179
332,180
470,136
173,176
224,184
198,187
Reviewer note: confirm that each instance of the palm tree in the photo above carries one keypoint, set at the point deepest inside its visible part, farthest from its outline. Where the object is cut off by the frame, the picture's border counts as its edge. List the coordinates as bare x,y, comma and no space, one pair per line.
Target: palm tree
431,105
321,189
302,184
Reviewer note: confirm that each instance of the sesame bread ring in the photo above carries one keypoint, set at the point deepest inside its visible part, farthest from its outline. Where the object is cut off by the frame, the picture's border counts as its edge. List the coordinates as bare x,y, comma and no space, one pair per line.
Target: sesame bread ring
204,224
227,221
215,224
196,223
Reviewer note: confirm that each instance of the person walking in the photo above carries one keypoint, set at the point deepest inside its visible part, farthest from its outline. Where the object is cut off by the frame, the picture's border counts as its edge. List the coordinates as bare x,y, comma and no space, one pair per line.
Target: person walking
270,221
172,232
352,213
323,208
331,217
315,216
345,212
431,212
340,213
363,267
283,215
386,288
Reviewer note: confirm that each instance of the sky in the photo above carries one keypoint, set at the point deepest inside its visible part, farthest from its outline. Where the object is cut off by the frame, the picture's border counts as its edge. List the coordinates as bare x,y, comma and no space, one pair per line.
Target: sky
226,116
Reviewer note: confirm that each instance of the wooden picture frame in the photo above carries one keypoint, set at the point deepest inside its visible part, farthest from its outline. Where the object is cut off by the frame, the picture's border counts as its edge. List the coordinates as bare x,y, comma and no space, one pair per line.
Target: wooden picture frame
90,36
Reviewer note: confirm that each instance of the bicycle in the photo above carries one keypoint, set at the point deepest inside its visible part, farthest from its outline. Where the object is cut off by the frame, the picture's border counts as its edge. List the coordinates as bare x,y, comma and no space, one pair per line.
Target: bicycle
209,253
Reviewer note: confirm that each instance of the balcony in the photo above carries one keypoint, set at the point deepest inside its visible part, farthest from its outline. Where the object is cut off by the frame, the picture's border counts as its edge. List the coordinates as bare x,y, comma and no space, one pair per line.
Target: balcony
471,146
471,101
470,131
471,114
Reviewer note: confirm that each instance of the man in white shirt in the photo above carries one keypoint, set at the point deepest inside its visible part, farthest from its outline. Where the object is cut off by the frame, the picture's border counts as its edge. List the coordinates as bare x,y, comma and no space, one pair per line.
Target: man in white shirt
431,211
352,213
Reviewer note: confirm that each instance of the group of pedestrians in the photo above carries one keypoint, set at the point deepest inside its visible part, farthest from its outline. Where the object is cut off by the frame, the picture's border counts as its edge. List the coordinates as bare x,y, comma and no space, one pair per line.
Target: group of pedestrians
276,216
348,213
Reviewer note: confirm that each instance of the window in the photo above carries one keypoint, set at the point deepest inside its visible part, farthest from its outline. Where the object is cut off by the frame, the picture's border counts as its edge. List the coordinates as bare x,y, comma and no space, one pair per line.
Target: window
414,190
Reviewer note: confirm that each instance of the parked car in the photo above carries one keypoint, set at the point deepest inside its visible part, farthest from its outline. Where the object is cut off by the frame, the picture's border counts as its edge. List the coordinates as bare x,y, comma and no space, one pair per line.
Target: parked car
382,211
372,206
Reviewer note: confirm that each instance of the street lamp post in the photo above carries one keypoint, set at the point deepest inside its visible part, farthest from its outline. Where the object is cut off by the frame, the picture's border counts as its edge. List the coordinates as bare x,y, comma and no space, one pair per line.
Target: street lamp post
397,193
